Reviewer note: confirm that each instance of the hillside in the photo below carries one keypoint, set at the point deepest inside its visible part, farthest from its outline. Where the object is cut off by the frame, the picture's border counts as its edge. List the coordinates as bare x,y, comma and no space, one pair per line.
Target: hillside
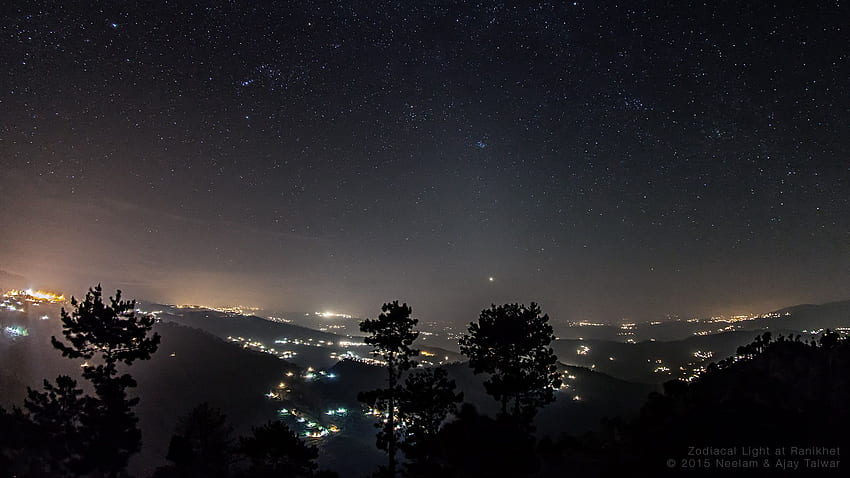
190,367
194,366
308,347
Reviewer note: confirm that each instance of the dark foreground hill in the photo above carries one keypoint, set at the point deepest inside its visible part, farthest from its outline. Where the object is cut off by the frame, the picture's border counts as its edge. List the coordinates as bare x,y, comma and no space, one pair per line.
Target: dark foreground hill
790,390
192,366
780,408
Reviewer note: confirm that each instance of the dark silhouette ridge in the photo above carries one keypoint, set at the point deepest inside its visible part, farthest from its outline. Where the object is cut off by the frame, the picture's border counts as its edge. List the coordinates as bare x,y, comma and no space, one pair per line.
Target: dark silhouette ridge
776,394
273,450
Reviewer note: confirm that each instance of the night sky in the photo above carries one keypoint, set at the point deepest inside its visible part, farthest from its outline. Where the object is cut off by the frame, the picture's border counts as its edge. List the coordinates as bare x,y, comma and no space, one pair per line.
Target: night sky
607,159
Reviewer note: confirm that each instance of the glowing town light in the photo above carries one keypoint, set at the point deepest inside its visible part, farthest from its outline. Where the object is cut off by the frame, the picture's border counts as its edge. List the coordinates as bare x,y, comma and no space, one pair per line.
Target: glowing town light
35,296
16,331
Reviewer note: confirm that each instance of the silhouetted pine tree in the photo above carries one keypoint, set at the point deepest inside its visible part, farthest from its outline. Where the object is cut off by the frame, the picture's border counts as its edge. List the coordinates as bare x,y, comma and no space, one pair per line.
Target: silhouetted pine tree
391,335
511,343
273,450
109,334
476,445
428,397
203,446
63,432
56,418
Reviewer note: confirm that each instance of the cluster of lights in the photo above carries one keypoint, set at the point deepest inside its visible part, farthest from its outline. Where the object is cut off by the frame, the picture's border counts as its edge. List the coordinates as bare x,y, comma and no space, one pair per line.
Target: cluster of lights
14,300
309,342
349,355
722,329
37,296
280,320
332,315
583,350
347,343
312,427
585,323
16,331
258,346
230,310
311,374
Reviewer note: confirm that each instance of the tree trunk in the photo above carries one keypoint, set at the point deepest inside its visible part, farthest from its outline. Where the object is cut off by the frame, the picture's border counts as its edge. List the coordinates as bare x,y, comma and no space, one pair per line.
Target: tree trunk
391,445
391,424
516,407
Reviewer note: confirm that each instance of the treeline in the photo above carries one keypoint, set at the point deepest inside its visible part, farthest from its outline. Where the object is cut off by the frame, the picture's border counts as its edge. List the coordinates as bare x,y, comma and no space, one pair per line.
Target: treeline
772,393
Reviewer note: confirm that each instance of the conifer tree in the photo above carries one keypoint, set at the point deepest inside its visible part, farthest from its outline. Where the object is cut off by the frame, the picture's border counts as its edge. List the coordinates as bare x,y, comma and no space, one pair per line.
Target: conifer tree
391,335
511,343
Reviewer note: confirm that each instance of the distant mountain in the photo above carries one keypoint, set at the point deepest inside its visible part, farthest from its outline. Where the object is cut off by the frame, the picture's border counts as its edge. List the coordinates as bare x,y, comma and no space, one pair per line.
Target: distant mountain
313,348
799,317
656,360
651,361
813,317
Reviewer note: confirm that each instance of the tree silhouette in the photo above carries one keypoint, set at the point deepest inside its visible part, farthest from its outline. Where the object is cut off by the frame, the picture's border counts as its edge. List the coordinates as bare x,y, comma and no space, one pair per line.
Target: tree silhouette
9,446
511,343
47,437
57,416
274,450
391,335
110,334
202,446
476,445
428,397
112,331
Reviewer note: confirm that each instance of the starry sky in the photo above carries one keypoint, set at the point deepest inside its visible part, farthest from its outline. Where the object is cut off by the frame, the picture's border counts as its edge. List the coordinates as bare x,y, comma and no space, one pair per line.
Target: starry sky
608,159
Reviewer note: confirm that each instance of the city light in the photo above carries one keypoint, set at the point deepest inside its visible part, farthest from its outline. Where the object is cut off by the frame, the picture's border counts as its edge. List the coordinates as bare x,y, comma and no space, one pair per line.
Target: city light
16,331
230,310
32,296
